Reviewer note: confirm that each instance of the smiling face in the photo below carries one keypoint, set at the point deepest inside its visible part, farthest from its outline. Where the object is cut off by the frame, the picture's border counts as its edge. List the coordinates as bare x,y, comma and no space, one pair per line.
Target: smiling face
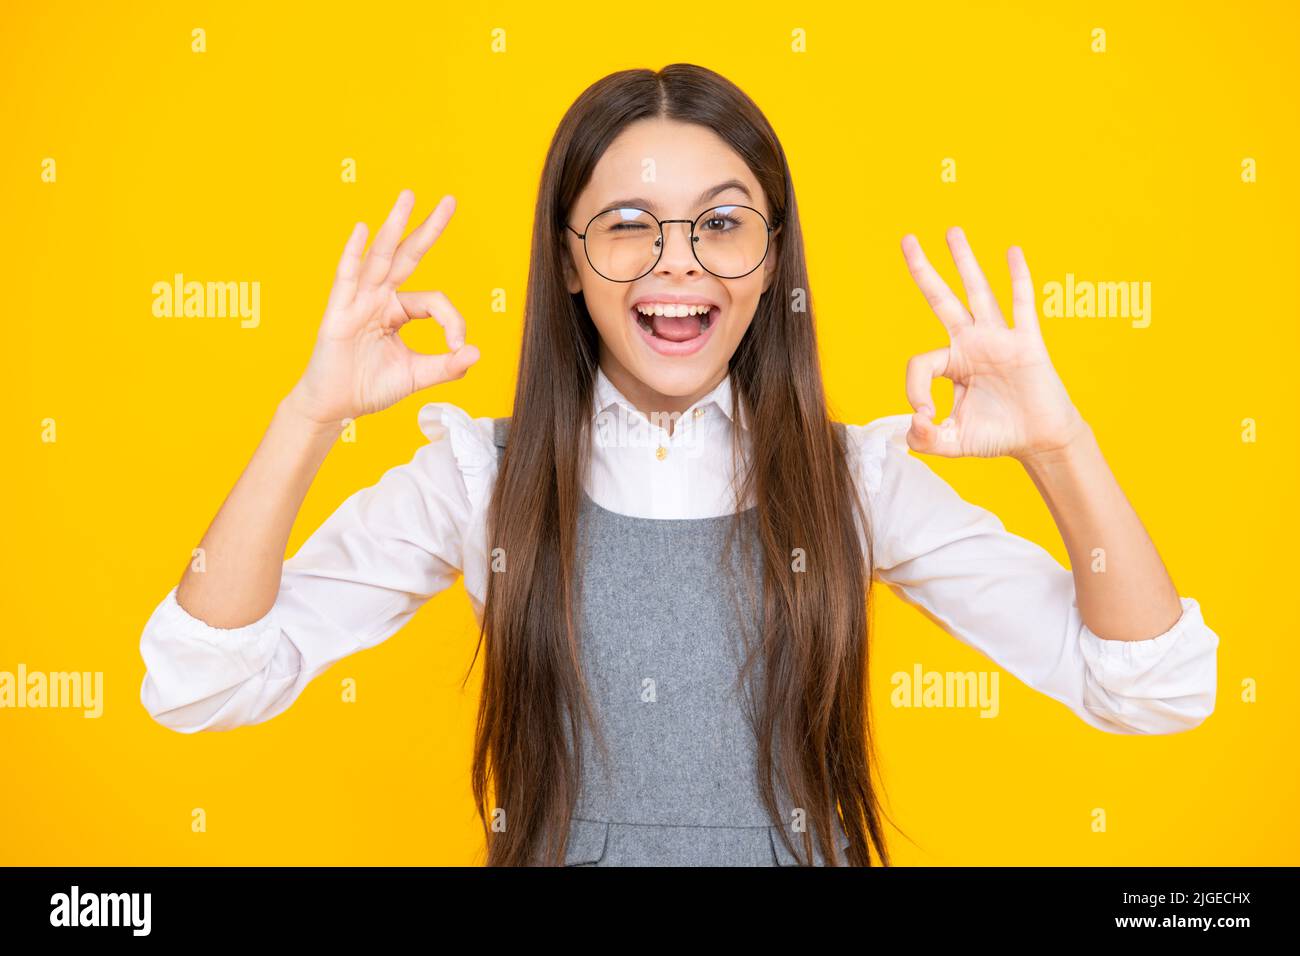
667,337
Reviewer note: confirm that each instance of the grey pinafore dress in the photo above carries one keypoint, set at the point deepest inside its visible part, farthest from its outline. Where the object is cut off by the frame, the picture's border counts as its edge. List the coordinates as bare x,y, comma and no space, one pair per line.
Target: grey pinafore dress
661,657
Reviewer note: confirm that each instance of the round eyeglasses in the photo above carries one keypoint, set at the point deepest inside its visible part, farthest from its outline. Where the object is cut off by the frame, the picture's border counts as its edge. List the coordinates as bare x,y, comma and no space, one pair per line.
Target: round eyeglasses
624,244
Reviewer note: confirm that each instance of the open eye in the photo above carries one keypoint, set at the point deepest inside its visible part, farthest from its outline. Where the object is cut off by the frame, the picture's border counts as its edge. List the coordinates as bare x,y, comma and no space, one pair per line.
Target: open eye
719,223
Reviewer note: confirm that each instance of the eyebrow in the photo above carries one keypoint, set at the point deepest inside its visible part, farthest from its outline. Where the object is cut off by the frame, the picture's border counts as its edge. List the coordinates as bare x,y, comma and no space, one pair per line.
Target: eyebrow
648,204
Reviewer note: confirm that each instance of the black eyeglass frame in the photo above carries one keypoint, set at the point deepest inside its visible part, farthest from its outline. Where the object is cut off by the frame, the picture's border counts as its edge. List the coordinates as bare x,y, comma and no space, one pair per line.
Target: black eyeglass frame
694,238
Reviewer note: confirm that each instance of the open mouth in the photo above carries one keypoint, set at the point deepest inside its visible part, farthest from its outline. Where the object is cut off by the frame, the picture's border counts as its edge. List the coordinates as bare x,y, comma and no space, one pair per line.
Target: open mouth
675,323
675,328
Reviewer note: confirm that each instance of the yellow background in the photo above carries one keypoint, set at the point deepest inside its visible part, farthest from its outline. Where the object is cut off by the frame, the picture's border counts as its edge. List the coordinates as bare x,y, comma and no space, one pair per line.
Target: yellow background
225,165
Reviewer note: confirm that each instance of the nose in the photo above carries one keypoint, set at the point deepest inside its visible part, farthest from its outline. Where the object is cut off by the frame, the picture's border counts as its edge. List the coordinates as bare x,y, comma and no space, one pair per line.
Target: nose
678,254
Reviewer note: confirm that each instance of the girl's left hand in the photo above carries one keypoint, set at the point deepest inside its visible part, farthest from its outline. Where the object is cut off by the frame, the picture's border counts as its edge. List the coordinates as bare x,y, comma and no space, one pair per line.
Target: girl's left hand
1007,397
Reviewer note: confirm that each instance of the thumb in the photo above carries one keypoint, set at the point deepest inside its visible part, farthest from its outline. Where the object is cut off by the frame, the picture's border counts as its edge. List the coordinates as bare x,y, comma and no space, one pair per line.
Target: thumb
923,436
931,439
430,370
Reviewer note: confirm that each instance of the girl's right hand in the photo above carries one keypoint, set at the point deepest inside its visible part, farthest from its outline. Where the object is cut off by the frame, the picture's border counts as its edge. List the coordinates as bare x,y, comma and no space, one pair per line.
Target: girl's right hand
360,364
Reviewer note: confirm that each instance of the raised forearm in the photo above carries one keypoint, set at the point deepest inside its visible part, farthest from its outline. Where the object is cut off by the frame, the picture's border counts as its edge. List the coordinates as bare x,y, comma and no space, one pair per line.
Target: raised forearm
1124,591
243,549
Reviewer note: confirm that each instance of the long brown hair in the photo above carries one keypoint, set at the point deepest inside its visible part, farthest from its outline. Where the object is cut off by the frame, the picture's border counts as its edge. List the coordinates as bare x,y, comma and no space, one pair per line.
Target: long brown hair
811,717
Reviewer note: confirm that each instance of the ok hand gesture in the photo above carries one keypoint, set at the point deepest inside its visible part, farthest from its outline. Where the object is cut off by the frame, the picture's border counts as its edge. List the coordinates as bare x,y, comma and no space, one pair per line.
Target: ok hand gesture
360,364
1007,397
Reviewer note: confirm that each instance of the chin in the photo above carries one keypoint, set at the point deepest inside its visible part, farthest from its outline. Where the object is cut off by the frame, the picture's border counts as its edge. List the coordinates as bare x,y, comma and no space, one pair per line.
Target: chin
676,377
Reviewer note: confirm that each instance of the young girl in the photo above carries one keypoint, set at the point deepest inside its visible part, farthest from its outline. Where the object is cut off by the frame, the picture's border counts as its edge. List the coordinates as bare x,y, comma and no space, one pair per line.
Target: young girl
669,544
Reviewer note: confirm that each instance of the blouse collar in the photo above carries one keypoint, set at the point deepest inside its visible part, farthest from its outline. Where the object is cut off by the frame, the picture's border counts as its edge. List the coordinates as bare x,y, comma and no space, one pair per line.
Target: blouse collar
606,394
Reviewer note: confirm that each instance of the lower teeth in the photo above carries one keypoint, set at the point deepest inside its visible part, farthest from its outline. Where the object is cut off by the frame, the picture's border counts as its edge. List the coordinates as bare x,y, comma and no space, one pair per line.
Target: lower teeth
648,324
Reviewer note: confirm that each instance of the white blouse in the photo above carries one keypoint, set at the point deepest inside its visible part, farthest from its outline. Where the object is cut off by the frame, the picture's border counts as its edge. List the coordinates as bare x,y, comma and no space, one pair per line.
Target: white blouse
391,546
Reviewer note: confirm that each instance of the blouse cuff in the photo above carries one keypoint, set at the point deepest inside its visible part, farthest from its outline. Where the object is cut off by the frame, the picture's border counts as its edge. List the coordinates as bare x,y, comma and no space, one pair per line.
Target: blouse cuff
254,643
1177,668
1129,654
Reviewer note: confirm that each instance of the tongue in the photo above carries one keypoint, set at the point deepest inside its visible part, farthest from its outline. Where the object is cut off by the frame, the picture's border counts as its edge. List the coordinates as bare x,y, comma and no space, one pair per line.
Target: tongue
676,328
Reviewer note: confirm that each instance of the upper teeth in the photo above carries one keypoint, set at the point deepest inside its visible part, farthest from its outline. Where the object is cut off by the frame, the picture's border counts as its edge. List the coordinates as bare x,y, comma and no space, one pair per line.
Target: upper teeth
671,309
